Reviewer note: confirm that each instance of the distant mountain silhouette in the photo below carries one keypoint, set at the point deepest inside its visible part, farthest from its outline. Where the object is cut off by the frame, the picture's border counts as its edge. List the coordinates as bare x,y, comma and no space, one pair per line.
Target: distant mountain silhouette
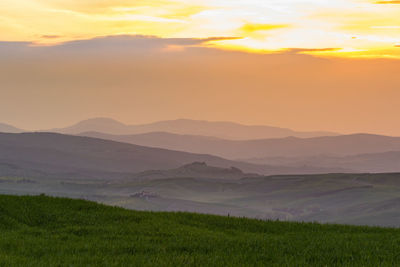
226,130
283,147
50,154
104,125
6,128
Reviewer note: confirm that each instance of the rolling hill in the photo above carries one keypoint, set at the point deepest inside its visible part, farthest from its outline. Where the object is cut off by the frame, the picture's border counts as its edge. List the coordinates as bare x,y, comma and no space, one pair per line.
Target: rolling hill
75,156
227,130
6,128
370,162
194,170
359,199
44,231
342,145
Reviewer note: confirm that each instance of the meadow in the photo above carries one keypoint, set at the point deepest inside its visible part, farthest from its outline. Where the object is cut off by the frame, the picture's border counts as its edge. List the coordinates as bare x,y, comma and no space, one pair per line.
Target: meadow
48,231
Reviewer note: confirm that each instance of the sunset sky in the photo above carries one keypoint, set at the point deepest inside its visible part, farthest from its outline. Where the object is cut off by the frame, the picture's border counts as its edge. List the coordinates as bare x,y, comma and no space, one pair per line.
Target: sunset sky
346,27
304,64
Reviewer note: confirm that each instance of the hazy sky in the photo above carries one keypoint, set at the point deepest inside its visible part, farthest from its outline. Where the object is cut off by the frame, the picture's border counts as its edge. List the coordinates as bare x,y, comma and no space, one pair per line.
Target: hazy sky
308,65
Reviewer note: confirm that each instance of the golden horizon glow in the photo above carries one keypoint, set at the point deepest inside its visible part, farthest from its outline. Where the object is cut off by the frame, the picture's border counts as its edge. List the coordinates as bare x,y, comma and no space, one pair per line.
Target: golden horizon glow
347,28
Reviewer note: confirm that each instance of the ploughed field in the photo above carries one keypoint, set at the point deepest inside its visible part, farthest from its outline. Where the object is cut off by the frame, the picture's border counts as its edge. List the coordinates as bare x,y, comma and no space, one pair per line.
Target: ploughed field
47,231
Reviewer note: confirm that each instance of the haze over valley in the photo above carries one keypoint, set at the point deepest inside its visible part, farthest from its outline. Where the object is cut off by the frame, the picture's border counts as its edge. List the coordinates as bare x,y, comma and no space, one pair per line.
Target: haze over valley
210,167
288,152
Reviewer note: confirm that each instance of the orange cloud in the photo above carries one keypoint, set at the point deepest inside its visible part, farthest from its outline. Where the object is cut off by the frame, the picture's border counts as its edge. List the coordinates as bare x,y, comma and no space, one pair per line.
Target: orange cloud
251,27
288,24
388,2
257,31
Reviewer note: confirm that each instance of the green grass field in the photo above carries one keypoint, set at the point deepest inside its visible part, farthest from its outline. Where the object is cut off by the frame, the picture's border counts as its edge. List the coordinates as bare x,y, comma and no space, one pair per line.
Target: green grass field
45,231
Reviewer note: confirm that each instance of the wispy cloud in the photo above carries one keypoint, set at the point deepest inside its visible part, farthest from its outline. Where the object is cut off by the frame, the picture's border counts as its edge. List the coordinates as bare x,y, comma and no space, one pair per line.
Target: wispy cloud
50,36
310,50
108,44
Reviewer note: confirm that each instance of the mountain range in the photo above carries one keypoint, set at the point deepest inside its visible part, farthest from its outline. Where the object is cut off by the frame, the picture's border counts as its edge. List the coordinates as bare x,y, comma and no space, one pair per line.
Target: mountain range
225,130
286,155
162,171
51,154
343,145
205,138
345,153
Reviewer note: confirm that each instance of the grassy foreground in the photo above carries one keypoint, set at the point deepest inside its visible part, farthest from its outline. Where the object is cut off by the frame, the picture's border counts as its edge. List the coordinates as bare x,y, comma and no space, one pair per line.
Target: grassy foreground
45,231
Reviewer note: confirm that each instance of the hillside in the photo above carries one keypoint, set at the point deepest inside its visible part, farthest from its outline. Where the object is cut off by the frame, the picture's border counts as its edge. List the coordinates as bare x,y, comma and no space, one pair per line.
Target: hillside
6,128
347,153
195,170
342,145
43,231
227,130
370,162
49,154
359,199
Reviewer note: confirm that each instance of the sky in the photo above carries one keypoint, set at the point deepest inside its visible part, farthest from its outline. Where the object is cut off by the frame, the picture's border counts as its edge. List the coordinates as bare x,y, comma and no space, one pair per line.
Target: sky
307,65
346,27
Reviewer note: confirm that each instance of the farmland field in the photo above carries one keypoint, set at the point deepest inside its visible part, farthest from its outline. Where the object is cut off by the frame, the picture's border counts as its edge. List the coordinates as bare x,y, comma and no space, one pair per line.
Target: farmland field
47,231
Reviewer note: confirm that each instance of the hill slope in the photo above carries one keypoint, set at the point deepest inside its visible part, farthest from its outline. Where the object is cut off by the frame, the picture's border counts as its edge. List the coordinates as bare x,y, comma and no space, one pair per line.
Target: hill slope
75,156
370,162
227,130
342,145
195,170
341,152
6,128
43,231
359,199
